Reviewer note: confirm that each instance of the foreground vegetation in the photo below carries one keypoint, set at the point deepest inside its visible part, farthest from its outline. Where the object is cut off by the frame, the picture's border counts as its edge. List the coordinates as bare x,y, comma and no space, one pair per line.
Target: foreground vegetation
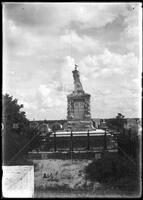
116,171
16,132
84,178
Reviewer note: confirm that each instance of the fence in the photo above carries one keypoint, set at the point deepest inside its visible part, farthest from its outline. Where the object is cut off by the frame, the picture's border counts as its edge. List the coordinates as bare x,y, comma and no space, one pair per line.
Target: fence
72,141
129,143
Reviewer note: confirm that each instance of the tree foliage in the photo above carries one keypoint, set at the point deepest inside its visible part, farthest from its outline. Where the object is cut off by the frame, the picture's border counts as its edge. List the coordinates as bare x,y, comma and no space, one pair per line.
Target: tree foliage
116,122
16,128
119,116
56,126
12,114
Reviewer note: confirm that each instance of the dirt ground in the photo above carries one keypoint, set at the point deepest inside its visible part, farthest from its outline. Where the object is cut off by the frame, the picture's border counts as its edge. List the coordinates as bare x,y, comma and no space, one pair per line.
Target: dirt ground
67,178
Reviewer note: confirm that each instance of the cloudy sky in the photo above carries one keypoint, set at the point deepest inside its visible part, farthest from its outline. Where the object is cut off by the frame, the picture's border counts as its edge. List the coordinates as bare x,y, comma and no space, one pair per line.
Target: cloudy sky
43,41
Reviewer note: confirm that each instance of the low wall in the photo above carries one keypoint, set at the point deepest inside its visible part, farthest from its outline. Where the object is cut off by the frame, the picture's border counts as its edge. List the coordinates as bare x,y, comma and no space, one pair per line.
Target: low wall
67,155
18,181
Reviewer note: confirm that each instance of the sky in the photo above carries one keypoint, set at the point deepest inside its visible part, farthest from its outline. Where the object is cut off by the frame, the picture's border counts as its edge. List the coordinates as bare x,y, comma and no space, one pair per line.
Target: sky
43,41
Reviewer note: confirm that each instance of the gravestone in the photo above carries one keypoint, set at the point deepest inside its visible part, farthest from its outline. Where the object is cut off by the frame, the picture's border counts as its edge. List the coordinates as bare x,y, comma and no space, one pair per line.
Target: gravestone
78,106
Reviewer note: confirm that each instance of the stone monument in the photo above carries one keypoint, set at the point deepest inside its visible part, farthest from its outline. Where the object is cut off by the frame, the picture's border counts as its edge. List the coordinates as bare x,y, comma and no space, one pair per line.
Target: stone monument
78,106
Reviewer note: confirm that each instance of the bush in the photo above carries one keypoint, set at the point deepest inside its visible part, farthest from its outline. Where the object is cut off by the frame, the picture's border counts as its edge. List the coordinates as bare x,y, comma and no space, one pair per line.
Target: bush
111,167
56,126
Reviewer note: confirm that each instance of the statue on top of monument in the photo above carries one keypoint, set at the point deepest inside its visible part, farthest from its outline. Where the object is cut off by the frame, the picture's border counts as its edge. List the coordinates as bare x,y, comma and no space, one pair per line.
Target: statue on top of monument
77,84
76,66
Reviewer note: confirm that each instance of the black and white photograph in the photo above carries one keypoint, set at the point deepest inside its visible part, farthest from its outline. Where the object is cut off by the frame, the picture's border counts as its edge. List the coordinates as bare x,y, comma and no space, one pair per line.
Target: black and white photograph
71,100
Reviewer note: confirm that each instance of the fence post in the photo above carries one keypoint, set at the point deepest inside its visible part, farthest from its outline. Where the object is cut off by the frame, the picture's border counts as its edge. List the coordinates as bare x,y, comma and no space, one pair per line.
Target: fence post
55,146
71,141
124,131
88,142
105,141
129,142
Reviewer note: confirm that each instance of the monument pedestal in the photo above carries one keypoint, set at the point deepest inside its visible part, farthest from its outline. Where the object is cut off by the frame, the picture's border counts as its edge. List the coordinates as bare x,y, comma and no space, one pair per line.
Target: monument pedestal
78,108
79,125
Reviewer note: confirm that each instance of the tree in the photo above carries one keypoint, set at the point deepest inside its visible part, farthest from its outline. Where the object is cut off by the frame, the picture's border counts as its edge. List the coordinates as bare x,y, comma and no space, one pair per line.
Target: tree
12,115
117,122
119,116
15,127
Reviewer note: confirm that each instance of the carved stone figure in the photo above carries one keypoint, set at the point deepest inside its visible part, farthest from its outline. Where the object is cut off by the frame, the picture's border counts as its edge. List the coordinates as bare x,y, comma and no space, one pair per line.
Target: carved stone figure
87,106
77,84
70,109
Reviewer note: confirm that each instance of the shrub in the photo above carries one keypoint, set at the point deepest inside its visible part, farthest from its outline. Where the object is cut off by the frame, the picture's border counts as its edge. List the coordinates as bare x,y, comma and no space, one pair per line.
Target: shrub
110,167
56,126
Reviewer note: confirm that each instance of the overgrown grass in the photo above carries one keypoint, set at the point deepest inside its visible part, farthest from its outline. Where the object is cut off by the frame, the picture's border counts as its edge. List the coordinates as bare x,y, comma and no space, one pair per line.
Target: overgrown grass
59,174
114,170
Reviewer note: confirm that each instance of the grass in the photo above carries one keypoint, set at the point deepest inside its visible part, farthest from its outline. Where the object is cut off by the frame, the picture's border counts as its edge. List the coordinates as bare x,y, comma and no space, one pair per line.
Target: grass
59,174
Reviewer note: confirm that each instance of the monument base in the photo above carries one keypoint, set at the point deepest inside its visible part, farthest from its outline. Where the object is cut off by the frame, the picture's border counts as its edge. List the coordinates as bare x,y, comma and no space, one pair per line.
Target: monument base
79,125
